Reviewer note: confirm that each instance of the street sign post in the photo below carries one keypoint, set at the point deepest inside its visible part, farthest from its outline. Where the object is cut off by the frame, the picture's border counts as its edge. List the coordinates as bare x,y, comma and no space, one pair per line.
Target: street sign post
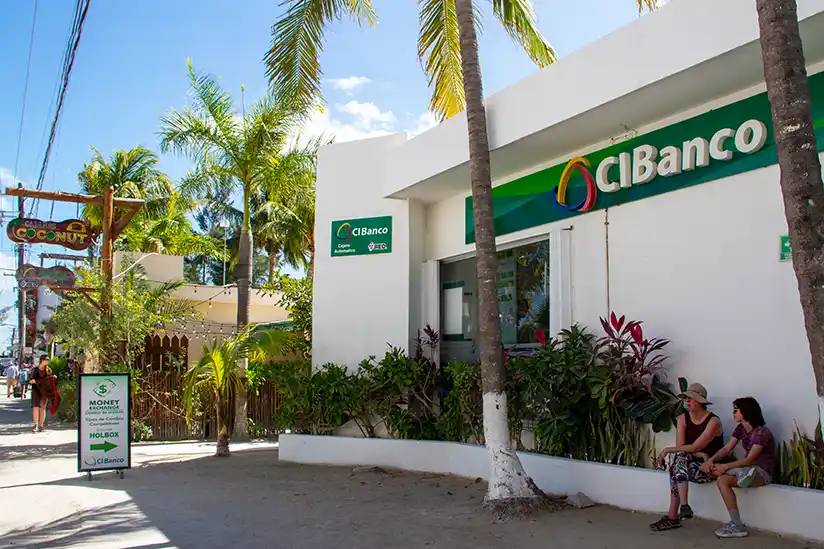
104,441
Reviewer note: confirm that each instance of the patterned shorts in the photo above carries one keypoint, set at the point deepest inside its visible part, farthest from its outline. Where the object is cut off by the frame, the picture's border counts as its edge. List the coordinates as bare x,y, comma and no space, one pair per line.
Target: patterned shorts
686,468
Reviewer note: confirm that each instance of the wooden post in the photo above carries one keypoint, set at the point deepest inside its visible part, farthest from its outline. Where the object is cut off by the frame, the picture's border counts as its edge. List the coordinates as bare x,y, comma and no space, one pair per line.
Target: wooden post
111,230
21,295
106,269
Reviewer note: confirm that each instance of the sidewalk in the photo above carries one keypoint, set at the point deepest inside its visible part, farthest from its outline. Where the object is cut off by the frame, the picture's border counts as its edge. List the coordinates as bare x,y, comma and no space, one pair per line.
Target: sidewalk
178,497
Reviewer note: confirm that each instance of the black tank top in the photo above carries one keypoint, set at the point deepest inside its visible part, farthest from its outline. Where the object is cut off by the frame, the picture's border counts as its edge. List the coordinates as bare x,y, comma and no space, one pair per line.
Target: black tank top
695,430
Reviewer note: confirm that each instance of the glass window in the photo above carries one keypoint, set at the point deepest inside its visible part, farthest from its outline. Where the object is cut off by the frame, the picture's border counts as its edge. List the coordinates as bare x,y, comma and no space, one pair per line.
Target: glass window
523,300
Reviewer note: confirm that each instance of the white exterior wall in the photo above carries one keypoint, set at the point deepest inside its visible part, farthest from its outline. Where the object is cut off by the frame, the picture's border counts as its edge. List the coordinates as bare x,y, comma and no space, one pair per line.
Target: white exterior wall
361,303
699,266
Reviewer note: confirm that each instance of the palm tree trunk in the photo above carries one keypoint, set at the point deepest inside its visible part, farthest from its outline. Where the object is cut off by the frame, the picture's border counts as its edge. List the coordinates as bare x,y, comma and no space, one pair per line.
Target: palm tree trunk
310,272
222,449
243,276
272,253
786,77
508,482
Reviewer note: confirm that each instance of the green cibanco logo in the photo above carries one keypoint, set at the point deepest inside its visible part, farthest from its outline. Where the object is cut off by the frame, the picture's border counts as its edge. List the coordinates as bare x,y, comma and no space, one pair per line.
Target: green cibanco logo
105,387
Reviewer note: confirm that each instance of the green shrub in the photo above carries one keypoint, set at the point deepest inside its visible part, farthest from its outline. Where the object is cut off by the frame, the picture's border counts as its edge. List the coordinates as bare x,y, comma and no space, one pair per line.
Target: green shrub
141,432
801,460
67,407
59,366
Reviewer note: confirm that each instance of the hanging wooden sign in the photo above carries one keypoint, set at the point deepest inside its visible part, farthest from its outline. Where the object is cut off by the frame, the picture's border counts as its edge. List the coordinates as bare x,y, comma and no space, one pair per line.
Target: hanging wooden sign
74,234
30,276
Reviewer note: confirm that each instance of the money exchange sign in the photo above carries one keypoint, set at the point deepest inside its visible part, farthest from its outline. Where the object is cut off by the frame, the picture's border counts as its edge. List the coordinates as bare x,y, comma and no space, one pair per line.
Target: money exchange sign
103,435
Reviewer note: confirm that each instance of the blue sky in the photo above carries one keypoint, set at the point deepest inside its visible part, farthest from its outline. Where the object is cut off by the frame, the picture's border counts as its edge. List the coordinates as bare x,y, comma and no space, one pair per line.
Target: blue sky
131,67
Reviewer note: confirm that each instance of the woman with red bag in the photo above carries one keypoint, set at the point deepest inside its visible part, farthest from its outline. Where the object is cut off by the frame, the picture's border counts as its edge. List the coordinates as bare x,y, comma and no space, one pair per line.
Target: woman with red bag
43,389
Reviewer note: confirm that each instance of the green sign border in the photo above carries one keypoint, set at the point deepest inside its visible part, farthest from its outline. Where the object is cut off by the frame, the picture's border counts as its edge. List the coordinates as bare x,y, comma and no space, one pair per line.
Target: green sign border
360,243
528,201
80,468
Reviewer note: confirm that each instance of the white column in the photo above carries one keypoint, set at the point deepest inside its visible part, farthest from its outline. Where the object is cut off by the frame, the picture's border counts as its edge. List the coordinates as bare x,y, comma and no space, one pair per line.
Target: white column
431,298
560,281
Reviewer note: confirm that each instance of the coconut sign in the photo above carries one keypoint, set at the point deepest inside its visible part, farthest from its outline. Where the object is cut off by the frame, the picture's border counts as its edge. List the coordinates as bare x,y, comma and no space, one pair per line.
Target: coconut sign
74,234
30,276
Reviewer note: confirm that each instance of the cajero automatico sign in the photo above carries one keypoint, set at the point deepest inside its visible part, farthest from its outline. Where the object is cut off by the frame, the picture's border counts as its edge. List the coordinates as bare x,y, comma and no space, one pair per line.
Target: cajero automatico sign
720,143
363,236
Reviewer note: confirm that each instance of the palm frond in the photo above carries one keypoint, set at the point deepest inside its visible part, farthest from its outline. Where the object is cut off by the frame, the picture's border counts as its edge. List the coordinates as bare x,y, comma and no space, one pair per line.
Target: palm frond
649,4
293,59
439,50
265,344
521,23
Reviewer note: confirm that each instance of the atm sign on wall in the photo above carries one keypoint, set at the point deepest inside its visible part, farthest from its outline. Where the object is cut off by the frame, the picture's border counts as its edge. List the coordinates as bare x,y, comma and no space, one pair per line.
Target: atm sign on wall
364,236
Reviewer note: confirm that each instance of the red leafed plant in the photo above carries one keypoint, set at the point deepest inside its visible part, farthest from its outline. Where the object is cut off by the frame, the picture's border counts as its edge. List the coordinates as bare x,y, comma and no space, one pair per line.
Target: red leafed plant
635,362
633,371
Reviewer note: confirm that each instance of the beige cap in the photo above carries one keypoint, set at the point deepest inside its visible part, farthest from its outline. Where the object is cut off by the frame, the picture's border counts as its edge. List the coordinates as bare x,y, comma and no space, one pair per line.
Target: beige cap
696,392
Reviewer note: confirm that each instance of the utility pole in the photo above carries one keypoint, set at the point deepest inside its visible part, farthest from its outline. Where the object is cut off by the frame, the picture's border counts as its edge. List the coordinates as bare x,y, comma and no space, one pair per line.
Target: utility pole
21,296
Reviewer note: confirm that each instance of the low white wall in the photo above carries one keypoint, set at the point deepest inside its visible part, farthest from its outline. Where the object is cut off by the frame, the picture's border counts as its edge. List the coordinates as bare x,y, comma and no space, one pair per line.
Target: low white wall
781,509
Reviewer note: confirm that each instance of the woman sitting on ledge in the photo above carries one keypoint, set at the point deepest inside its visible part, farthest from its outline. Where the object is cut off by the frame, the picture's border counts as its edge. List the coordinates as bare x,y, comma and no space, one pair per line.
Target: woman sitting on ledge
756,469
700,435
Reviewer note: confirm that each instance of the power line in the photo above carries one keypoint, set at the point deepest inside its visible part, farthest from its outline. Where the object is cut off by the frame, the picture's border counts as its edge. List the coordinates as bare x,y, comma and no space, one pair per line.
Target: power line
25,94
81,9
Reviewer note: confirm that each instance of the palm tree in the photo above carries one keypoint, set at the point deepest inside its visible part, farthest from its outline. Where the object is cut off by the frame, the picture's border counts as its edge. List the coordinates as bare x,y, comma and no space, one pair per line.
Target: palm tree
240,150
286,220
448,49
786,76
171,234
131,174
218,373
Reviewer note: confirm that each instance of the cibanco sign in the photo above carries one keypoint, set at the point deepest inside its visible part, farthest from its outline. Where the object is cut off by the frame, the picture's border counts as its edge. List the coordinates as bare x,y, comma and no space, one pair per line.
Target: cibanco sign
719,143
646,162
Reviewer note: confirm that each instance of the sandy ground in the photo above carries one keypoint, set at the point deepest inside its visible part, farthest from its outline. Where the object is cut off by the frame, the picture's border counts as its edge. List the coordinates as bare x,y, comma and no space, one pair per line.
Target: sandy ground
178,497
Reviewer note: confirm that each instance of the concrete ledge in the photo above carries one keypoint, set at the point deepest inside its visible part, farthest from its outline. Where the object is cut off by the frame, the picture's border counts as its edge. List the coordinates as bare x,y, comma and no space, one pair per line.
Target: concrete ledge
780,509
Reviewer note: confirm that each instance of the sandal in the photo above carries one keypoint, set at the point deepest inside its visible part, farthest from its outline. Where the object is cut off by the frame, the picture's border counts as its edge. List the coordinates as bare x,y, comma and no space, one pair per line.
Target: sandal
665,523
685,512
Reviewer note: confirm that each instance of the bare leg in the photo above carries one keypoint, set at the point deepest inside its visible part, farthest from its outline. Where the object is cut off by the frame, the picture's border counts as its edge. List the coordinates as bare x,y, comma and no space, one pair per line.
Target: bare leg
672,514
683,493
42,417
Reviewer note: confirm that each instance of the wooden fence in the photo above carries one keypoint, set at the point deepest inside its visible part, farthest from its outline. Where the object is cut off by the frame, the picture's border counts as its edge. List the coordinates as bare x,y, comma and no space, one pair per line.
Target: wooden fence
158,401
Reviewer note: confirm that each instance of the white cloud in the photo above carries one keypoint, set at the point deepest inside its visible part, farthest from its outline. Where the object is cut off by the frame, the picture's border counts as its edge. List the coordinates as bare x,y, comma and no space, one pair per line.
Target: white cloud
361,120
349,84
6,180
426,121
368,116
8,265
322,123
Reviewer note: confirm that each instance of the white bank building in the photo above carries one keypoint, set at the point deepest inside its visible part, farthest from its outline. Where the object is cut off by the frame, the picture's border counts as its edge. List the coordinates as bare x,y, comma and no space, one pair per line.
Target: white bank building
637,175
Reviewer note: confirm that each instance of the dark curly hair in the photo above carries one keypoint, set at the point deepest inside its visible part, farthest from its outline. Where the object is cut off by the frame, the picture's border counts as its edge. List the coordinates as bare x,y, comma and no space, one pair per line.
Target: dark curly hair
750,411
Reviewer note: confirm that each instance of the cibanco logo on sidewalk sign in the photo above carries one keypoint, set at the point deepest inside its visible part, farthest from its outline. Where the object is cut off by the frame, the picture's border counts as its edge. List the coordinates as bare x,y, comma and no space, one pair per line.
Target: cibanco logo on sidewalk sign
363,236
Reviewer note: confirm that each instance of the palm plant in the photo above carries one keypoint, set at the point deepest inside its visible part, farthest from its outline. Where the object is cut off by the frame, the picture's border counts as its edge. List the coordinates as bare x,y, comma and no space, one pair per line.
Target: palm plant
219,374
284,219
171,233
237,150
448,49
131,174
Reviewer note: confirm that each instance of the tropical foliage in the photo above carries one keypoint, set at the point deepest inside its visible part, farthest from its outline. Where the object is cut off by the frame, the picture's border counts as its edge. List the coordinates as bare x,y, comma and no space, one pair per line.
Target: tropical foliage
138,308
130,174
293,60
574,404
295,295
218,374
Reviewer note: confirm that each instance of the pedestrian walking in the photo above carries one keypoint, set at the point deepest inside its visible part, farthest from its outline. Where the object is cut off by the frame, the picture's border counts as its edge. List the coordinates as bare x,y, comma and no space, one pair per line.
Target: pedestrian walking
11,379
42,383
